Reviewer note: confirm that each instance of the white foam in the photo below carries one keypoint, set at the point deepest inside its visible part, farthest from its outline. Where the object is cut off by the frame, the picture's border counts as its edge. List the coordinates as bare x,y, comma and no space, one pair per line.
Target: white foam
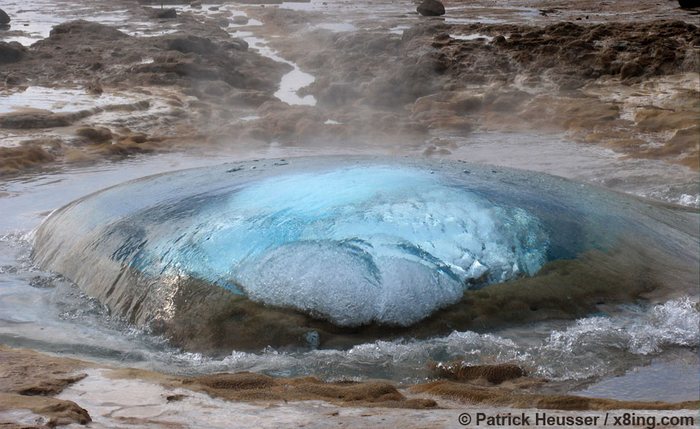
475,36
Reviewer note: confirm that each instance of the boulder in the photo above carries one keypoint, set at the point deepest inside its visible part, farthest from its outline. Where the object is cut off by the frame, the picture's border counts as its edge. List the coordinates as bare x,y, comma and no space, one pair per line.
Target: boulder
11,52
4,17
82,30
631,69
155,13
95,135
236,44
431,8
240,20
190,44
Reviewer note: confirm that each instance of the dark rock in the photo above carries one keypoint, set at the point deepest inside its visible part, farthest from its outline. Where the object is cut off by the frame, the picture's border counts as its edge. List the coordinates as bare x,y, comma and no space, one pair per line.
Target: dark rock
689,4
631,69
240,20
223,22
161,13
431,8
499,40
95,135
237,44
11,52
196,5
13,80
4,17
338,94
249,98
85,30
191,44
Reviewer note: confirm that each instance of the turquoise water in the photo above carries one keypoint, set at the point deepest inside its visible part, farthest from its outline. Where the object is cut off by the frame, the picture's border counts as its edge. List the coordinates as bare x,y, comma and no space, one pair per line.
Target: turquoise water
353,241
355,245
49,313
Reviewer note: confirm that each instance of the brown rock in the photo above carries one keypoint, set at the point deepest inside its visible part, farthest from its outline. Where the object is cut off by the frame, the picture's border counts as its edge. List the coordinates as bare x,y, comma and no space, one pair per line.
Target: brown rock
496,396
95,135
40,119
431,8
631,69
250,386
85,30
494,374
14,160
58,412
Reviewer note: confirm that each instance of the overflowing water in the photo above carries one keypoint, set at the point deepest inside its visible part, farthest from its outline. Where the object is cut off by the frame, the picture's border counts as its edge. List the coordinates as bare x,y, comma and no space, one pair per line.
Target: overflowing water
49,313
57,100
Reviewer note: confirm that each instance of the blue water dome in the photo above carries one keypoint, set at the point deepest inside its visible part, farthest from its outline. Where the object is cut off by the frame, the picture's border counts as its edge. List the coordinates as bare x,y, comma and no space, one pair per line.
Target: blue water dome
353,245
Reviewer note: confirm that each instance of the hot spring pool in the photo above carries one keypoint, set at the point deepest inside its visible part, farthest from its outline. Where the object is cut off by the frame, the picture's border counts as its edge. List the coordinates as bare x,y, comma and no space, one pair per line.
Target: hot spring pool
330,252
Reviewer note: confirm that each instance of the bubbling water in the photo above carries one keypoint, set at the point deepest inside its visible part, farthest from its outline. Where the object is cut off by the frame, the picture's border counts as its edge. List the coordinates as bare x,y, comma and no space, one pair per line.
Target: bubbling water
355,245
331,252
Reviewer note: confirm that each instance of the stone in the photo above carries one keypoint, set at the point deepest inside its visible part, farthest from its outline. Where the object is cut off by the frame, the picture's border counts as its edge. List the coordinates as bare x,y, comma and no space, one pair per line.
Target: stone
40,119
240,20
155,13
82,30
4,17
11,52
631,69
431,8
189,43
95,135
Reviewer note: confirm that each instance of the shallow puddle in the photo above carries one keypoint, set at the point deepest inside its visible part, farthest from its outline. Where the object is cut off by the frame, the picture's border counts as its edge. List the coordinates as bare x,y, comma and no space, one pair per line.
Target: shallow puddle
60,100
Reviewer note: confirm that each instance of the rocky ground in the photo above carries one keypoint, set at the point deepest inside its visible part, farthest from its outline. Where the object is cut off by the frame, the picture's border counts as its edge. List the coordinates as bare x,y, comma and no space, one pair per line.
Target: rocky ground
616,75
610,75
39,391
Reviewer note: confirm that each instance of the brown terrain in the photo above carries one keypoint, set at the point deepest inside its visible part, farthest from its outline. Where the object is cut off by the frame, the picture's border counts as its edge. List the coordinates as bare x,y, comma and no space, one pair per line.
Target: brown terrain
629,85
29,380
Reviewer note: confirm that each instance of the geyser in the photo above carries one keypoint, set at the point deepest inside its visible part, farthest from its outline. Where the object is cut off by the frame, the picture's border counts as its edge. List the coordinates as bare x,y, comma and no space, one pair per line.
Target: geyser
276,252
353,245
